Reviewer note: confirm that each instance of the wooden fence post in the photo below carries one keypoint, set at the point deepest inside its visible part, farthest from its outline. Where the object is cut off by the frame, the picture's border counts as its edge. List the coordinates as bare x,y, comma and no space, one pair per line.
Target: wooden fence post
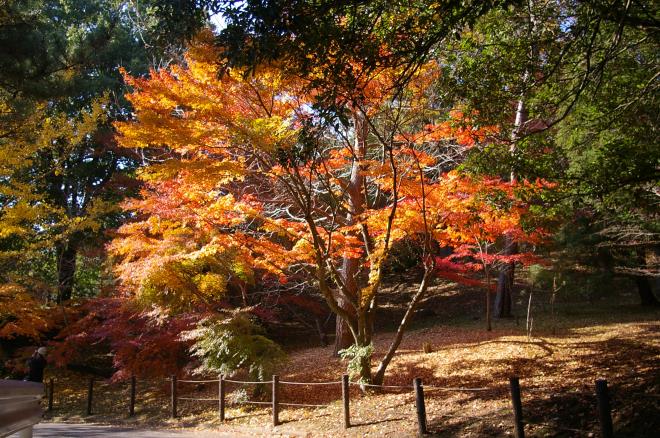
276,407
516,402
131,406
50,394
221,397
90,395
173,414
604,409
420,405
345,396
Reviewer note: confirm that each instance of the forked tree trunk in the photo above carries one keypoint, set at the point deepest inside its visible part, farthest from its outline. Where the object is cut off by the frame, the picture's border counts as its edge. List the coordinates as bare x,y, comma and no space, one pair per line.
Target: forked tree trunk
356,204
343,336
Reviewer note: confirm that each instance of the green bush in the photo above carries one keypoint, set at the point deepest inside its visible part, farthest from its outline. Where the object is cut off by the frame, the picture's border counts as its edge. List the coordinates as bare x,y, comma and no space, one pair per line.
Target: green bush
227,345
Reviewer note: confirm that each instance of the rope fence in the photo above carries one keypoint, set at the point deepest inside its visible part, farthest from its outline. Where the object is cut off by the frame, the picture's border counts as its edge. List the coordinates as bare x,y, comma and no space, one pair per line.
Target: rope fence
472,417
308,383
369,385
246,382
199,381
199,399
305,405
458,389
418,388
426,387
516,410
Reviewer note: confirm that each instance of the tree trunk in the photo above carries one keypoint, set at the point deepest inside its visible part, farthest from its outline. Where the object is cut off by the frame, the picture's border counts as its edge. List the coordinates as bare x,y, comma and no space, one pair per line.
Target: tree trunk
243,288
489,319
503,296
323,338
349,272
356,205
504,292
644,287
66,269
505,281
343,336
506,278
646,292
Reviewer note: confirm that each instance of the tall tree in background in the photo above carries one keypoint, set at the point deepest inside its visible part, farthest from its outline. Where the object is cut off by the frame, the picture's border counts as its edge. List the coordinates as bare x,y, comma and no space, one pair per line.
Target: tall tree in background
609,142
543,61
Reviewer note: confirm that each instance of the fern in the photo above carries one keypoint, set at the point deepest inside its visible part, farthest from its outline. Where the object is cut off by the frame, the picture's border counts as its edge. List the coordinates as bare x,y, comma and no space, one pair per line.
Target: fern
227,345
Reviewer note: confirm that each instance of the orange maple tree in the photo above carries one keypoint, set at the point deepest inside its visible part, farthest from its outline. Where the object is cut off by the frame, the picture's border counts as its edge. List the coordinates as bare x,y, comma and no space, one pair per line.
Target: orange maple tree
248,179
21,315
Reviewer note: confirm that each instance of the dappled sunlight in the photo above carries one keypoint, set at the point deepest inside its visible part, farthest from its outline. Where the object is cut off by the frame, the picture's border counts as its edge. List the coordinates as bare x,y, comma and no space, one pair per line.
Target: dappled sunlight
557,374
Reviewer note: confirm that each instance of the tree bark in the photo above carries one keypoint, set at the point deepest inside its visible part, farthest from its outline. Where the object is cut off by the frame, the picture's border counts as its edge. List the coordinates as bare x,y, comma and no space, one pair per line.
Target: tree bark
343,336
505,281
66,270
644,287
356,205
503,297
504,293
489,319
645,290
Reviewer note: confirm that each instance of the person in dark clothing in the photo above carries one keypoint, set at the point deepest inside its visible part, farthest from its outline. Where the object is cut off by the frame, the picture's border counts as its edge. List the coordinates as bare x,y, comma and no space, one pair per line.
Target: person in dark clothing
36,365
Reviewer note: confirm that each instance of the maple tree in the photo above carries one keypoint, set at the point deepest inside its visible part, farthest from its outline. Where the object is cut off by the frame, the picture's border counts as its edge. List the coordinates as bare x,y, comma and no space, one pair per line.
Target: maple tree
252,180
20,314
289,159
144,343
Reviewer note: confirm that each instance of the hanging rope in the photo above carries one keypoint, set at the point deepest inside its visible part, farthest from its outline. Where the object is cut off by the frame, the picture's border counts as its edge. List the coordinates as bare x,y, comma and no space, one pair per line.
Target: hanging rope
247,382
198,381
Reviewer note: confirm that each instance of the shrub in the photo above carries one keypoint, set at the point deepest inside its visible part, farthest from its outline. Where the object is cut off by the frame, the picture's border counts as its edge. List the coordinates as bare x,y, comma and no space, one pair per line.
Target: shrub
227,345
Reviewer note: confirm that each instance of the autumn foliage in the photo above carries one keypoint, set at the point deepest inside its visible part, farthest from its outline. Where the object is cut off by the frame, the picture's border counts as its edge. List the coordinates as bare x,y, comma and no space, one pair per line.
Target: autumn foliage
145,344
249,183
20,313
